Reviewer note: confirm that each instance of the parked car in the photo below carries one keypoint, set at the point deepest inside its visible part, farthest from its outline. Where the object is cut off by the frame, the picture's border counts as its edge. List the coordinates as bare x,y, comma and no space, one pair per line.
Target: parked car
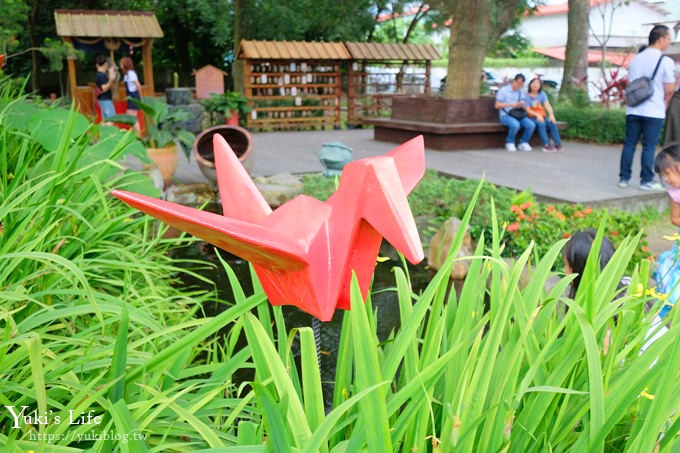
551,84
491,82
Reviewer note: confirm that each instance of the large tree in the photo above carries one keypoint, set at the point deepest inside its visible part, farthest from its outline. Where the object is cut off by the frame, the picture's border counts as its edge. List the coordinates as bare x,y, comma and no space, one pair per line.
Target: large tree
475,27
575,76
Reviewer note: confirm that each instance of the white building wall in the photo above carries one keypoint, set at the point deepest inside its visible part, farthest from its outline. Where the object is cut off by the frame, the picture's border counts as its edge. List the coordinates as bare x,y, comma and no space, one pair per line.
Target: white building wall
629,27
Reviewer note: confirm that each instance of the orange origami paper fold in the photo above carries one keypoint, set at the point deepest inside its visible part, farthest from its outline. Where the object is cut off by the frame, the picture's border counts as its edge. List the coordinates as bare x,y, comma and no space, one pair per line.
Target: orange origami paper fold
305,251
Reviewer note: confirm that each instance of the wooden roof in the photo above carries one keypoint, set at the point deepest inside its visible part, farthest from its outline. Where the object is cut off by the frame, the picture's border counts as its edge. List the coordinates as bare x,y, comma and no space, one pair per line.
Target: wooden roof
107,24
292,50
384,52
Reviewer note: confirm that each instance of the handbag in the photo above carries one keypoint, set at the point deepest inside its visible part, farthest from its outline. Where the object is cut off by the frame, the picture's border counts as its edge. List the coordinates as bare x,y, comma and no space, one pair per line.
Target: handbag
518,113
640,89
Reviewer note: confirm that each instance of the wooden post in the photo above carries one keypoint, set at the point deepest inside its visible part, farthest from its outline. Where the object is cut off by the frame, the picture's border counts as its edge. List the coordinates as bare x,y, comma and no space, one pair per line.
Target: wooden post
351,95
247,81
338,94
428,67
72,83
147,61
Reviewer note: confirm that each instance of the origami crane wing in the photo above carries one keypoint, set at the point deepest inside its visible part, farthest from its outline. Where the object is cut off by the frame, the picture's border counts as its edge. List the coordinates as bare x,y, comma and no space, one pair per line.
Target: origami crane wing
240,197
252,242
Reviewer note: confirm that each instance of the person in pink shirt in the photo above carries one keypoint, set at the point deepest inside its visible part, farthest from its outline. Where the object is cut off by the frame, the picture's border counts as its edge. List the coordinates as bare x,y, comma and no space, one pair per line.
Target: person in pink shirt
667,165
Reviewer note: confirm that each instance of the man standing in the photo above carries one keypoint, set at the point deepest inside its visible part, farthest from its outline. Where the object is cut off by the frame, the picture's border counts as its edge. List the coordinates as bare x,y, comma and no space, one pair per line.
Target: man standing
509,97
646,119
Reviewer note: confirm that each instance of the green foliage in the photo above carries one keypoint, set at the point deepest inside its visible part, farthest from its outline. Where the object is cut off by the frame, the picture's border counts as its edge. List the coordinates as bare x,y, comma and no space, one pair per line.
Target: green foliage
164,125
12,22
546,224
57,51
225,103
592,125
511,45
521,62
496,365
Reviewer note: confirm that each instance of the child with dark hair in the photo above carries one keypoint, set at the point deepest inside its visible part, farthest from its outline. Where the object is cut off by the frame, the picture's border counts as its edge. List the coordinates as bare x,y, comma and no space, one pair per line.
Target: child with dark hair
576,251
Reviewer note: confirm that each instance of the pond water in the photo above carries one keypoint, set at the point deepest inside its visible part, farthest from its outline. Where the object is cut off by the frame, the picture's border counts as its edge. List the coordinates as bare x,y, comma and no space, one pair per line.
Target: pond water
383,296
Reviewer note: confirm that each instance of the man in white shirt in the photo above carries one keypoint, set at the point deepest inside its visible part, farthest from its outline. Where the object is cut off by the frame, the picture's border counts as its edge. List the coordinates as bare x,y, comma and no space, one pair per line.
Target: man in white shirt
645,120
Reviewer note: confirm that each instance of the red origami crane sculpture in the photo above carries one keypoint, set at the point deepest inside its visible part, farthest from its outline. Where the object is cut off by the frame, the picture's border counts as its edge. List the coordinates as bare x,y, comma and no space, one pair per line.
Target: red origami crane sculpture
305,251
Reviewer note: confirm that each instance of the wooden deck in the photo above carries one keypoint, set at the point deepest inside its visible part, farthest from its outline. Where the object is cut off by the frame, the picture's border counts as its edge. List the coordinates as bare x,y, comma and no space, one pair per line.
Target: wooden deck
584,173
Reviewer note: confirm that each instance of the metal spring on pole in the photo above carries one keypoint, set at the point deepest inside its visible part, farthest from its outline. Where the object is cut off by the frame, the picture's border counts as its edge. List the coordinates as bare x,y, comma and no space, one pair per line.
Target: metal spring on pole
316,327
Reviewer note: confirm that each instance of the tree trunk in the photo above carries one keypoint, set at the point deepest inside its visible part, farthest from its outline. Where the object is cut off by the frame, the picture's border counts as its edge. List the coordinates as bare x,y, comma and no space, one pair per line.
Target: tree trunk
238,65
33,34
474,29
575,74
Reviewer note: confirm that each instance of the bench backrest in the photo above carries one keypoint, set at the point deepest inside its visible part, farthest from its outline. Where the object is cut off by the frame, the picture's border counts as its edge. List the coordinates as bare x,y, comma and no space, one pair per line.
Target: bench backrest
439,110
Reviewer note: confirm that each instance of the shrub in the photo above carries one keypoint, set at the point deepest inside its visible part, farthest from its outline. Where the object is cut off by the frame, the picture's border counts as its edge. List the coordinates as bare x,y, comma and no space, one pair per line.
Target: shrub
546,224
592,125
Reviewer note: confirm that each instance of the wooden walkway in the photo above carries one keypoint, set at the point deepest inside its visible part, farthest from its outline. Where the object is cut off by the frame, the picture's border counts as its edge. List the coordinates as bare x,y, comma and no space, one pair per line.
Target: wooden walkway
584,173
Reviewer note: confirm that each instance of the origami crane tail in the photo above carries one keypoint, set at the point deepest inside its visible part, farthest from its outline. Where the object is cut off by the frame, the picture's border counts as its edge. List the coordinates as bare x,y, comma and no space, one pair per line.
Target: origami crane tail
409,158
240,197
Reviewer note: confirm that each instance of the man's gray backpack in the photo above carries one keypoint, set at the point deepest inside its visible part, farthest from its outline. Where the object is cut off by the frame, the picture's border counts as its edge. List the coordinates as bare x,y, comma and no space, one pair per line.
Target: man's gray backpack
639,90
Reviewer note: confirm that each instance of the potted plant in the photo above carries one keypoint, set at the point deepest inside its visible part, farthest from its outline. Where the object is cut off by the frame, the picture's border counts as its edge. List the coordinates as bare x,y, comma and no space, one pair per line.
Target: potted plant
230,106
163,131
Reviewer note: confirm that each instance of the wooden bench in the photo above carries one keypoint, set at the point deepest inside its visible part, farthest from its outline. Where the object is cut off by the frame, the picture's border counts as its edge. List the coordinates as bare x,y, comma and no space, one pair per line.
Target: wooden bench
445,124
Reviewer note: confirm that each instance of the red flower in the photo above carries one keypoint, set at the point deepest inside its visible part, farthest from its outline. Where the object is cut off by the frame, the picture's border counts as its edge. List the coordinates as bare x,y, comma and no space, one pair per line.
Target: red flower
526,205
513,227
615,233
550,208
516,209
645,248
587,211
578,214
566,235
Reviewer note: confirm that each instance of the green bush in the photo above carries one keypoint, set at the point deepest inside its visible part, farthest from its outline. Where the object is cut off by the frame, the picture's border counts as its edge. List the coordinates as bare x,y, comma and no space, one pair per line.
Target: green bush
546,224
593,124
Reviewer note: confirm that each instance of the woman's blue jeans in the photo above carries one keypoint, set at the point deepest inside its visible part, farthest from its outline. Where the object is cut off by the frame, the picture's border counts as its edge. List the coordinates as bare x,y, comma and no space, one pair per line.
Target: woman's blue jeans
543,127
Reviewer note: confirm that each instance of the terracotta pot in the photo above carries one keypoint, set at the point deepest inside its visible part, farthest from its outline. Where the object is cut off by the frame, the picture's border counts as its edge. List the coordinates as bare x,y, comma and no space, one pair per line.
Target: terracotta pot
238,139
165,159
232,120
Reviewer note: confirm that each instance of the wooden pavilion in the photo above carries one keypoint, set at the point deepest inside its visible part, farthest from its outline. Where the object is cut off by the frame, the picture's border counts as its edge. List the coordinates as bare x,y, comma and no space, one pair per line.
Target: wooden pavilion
293,84
107,32
380,71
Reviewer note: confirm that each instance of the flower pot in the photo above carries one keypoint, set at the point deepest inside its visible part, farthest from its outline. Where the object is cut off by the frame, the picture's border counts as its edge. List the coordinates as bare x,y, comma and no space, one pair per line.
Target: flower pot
232,120
239,140
165,159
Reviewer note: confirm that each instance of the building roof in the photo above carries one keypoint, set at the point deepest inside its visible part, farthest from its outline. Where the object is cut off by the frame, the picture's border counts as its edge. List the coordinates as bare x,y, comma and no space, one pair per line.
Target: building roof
208,67
292,50
384,52
594,56
108,24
